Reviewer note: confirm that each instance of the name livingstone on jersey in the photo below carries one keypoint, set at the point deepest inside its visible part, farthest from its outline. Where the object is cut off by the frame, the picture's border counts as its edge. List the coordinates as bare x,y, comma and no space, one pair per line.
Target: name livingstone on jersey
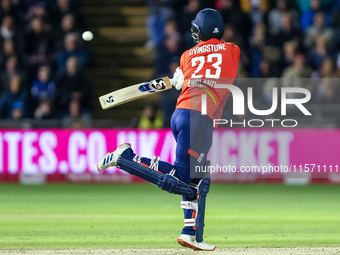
207,48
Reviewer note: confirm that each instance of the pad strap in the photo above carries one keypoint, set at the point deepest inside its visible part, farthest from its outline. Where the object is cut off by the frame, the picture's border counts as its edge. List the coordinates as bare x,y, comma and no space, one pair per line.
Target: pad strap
193,185
172,172
190,222
154,162
190,205
137,159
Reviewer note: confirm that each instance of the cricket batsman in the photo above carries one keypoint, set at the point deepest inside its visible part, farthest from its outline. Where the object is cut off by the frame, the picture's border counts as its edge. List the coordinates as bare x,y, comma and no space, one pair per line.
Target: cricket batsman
210,60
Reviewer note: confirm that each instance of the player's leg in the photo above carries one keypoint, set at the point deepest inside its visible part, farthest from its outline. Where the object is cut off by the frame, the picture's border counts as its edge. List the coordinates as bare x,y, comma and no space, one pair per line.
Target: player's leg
125,151
193,134
181,121
200,133
196,242
124,158
194,140
180,125
152,169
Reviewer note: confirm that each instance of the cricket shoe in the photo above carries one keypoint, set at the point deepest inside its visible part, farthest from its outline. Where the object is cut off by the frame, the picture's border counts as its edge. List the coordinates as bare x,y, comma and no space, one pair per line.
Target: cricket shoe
110,159
190,242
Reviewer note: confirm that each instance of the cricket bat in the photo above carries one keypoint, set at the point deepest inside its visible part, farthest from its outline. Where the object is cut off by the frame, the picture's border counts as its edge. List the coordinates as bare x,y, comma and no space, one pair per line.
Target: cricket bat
134,92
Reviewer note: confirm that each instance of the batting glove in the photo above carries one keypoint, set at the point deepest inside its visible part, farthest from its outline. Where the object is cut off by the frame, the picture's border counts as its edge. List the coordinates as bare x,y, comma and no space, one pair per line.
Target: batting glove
178,78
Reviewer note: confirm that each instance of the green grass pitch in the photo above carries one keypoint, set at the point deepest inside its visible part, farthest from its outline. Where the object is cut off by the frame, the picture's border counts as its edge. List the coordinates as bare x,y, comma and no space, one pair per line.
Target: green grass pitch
65,216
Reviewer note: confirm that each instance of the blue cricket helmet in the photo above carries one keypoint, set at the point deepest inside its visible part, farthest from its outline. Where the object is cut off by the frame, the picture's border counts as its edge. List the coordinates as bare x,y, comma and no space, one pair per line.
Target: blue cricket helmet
207,24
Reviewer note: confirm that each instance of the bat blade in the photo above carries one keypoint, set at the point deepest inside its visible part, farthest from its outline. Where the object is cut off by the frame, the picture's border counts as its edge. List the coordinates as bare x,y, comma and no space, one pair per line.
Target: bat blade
134,92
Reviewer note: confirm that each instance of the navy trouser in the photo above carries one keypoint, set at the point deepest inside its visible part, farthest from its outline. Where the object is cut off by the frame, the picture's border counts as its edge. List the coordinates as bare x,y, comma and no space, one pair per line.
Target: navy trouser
193,134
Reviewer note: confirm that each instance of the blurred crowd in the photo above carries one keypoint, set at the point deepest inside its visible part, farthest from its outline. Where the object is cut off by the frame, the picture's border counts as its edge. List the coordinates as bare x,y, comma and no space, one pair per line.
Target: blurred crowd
42,60
278,39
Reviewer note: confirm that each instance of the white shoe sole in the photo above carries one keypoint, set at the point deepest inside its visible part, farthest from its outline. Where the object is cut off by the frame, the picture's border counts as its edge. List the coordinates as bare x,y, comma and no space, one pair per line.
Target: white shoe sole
194,245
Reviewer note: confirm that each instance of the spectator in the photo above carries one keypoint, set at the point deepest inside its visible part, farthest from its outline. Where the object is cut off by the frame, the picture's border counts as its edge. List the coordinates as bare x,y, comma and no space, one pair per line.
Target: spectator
23,8
76,116
38,44
169,48
308,16
256,14
43,110
6,9
68,25
271,55
232,16
292,75
319,54
316,31
12,69
327,69
189,13
230,35
287,57
287,31
62,8
38,10
18,109
298,69
159,13
13,103
73,84
8,51
43,87
257,44
151,118
265,70
72,49
7,30
275,19
172,36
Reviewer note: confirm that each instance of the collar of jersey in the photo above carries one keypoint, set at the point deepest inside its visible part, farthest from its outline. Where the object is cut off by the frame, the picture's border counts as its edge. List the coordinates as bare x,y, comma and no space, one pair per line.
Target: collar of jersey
210,40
